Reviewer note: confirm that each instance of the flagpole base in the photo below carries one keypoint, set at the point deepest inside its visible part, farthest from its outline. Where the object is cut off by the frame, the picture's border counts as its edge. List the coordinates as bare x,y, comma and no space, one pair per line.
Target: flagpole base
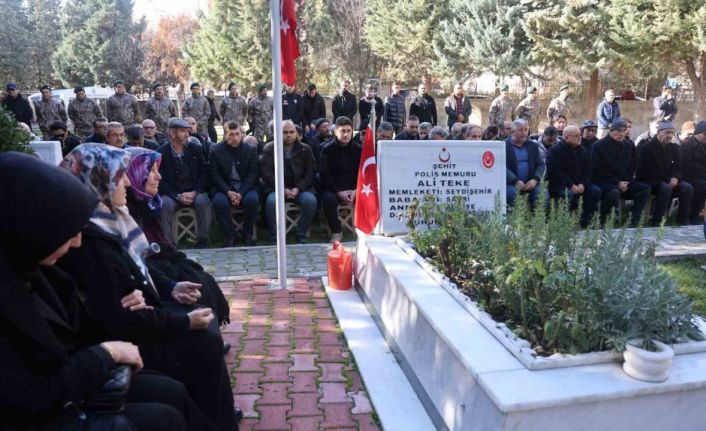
276,285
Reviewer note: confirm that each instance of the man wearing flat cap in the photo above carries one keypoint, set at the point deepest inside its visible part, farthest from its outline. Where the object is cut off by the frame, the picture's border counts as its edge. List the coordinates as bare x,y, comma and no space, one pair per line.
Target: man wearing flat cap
613,163
197,106
83,111
17,104
184,181
559,106
234,107
529,109
159,108
49,110
122,106
658,166
502,108
260,110
692,154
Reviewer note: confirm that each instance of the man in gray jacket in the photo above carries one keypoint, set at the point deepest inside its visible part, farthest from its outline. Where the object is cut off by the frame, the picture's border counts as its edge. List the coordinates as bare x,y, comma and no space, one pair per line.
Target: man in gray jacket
122,106
159,108
83,112
48,111
197,106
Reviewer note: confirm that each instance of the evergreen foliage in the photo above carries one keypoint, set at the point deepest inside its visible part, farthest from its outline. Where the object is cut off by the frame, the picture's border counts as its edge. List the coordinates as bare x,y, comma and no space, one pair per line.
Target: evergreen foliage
14,39
45,36
483,35
12,138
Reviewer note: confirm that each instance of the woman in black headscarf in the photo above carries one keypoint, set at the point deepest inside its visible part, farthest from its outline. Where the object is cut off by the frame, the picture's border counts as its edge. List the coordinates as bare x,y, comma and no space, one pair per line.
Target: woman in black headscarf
168,264
179,341
49,366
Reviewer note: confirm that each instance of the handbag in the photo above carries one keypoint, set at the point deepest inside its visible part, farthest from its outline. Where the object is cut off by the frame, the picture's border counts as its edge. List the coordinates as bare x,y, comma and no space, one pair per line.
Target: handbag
111,398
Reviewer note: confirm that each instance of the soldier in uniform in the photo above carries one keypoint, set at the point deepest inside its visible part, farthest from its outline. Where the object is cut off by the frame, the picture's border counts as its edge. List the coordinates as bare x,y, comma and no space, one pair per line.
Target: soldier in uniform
559,107
260,114
159,108
122,106
501,107
48,111
528,109
234,107
83,112
197,106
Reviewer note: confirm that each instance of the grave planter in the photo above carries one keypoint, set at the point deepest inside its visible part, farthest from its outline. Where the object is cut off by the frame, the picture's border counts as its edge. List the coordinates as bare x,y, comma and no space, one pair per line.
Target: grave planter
647,366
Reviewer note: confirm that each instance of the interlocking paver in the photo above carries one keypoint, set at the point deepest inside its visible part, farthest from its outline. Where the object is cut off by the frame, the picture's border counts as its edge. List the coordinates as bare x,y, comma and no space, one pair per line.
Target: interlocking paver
290,366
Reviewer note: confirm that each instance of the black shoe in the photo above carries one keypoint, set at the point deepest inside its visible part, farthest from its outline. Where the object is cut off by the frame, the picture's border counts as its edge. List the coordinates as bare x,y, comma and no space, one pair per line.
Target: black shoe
238,414
226,347
202,243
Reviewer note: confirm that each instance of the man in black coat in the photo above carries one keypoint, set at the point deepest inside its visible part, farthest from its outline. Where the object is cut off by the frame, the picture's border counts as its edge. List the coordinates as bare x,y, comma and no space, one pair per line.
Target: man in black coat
338,167
525,167
365,107
658,166
235,170
60,132
18,105
212,133
344,103
423,106
292,106
568,174
411,131
313,107
395,111
100,126
183,183
692,155
613,171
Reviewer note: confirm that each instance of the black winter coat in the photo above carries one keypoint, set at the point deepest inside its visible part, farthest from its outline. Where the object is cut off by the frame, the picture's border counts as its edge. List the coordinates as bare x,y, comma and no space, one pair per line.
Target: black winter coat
19,106
365,107
303,164
313,108
105,273
221,164
692,155
344,104
292,108
424,107
657,163
566,167
612,161
395,110
338,166
192,159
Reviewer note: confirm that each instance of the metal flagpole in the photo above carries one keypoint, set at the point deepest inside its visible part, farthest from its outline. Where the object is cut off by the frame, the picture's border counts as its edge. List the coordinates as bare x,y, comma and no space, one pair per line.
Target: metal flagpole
275,8
376,230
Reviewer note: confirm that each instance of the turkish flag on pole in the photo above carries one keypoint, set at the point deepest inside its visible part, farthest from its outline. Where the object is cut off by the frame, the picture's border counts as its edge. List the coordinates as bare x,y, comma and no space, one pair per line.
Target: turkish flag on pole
367,210
289,45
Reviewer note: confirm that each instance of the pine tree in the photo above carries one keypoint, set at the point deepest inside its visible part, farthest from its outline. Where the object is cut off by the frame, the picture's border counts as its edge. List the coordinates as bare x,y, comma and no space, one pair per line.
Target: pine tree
400,33
14,40
655,36
101,43
575,33
43,22
483,35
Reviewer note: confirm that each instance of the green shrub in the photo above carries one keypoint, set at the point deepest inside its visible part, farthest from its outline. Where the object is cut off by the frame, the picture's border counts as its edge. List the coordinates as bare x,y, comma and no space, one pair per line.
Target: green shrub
562,289
12,138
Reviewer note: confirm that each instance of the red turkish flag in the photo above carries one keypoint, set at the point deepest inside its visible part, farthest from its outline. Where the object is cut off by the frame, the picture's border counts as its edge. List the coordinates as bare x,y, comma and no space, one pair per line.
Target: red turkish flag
367,210
288,42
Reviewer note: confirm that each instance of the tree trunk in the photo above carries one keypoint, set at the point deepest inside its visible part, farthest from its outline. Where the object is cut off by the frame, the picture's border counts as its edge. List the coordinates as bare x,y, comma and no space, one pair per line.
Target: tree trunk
593,91
698,82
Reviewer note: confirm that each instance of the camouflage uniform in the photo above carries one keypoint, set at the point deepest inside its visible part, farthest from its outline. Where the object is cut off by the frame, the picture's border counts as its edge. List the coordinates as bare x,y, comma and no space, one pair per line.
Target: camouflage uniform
499,110
124,109
159,111
83,113
259,116
557,107
528,110
198,108
235,109
48,112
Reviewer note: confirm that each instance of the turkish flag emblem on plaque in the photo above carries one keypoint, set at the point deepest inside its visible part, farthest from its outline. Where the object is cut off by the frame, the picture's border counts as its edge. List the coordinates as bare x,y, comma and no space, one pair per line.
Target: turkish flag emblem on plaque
488,160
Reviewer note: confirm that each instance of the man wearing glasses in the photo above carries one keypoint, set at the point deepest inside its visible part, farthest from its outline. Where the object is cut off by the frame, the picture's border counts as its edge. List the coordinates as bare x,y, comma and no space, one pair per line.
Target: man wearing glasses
150,129
18,105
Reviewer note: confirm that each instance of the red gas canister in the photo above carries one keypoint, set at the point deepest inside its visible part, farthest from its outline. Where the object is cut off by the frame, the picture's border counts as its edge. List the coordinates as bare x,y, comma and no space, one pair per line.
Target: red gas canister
340,267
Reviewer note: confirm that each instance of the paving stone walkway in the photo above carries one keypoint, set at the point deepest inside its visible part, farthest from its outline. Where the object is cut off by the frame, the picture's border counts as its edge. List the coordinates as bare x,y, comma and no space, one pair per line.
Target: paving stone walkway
290,365
310,259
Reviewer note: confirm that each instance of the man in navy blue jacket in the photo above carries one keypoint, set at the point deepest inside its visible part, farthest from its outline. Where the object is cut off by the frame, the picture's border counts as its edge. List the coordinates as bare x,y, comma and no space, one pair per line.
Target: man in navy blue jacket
183,183
568,174
525,167
613,171
607,112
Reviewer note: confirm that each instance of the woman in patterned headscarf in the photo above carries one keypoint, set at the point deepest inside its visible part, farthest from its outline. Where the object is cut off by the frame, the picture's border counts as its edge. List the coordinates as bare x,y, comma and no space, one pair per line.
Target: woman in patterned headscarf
169,263
177,340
